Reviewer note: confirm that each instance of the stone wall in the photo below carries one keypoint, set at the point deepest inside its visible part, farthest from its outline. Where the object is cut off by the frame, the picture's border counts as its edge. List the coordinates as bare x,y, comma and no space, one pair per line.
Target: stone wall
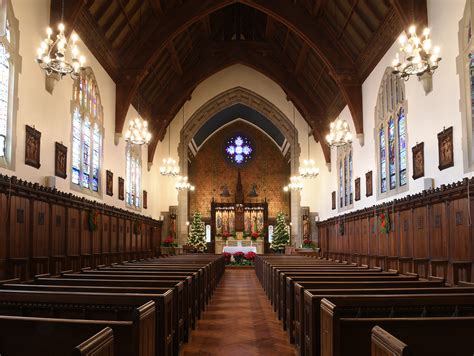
210,169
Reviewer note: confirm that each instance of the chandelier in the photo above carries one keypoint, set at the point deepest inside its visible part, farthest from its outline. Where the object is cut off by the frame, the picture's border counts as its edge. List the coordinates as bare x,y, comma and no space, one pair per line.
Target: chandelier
137,132
169,166
309,170
183,184
339,134
295,184
56,57
420,56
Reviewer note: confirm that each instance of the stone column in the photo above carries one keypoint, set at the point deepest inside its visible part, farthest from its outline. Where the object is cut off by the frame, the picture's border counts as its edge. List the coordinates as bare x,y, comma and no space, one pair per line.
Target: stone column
295,218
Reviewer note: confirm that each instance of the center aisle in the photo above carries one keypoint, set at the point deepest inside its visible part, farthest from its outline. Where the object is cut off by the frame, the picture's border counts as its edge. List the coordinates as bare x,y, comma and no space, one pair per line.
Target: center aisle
239,320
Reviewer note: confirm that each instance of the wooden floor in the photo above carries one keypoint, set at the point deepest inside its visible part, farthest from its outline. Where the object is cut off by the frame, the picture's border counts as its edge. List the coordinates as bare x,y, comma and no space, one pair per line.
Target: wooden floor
239,321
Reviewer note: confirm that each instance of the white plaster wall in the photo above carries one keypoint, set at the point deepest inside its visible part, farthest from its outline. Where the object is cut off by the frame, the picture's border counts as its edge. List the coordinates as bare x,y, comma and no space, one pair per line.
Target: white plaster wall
51,114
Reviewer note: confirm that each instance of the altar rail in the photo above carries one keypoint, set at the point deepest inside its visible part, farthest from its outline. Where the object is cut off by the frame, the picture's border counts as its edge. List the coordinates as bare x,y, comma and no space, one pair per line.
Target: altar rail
43,230
431,234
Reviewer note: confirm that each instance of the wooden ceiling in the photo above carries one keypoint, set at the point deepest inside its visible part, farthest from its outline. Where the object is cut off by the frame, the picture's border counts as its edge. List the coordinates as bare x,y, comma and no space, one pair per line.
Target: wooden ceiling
318,51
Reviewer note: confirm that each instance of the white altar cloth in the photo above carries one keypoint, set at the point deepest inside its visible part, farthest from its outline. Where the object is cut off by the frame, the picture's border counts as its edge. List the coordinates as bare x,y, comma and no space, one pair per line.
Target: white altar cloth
244,249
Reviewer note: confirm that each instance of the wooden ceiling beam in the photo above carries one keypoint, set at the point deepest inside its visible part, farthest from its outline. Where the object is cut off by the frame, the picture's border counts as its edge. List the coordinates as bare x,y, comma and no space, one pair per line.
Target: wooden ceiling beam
174,58
125,91
68,15
302,56
412,12
157,8
269,28
348,18
318,7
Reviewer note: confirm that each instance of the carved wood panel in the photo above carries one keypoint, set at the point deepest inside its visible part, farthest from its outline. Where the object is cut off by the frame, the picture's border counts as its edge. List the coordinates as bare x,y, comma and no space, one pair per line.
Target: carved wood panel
106,233
19,227
438,232
113,234
121,235
459,230
420,233
406,234
73,232
41,224
86,246
58,230
373,241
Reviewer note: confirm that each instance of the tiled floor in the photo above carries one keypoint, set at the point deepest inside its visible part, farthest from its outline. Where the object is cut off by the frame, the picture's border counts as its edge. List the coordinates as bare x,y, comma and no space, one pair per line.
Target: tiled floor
239,321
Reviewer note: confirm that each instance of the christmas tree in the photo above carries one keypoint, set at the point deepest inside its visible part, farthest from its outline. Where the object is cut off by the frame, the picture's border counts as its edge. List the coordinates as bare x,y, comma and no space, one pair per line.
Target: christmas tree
197,235
281,238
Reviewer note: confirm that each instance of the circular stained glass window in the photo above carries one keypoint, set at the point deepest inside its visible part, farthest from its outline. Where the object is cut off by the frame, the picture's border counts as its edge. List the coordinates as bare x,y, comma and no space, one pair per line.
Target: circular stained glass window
239,149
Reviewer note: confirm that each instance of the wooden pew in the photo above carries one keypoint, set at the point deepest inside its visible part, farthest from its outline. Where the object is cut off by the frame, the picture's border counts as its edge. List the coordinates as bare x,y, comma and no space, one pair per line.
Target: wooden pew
100,344
385,344
176,327
154,320
59,336
347,321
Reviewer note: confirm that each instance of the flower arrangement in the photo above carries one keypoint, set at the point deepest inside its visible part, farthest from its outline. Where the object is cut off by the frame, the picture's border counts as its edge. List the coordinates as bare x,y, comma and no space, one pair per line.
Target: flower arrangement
227,257
137,227
254,236
169,242
226,235
93,220
238,257
307,243
250,256
385,225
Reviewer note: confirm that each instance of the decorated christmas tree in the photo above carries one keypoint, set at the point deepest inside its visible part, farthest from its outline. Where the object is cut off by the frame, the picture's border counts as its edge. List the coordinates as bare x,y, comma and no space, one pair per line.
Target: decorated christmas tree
197,235
281,238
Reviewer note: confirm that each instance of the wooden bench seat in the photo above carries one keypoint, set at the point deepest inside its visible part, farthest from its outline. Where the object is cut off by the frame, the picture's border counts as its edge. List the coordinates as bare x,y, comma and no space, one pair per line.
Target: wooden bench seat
25,336
345,318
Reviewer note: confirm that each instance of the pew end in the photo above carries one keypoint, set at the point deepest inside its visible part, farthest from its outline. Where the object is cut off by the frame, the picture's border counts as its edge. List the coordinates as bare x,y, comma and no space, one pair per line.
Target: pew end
101,344
385,344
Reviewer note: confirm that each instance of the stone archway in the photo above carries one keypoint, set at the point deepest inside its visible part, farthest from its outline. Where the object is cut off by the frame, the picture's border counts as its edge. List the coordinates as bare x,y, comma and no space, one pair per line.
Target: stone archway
239,95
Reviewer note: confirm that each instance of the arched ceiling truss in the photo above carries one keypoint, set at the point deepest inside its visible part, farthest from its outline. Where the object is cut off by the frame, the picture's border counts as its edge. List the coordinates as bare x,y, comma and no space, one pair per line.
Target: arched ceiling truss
318,51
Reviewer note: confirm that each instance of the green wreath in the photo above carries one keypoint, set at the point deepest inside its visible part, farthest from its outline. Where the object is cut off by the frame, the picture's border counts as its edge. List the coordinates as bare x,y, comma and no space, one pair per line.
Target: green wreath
93,220
385,224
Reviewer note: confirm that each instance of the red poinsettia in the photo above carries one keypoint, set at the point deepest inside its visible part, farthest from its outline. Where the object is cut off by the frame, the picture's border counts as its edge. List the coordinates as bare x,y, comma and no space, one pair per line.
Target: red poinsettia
226,235
169,241
254,236
250,256
227,257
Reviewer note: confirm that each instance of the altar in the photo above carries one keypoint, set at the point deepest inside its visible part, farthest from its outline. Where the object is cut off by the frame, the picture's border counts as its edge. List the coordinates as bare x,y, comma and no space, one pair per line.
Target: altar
233,223
244,249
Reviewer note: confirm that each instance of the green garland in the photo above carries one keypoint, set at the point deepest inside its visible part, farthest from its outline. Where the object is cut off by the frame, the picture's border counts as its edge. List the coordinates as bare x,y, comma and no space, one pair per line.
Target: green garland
92,220
385,223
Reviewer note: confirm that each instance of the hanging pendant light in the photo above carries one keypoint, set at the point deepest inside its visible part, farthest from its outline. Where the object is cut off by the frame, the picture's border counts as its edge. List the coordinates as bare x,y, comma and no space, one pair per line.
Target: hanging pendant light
339,134
137,132
295,184
182,183
57,56
419,55
169,166
309,170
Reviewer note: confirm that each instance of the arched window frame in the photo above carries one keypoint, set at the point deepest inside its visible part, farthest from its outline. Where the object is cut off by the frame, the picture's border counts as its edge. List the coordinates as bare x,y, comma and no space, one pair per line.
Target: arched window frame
133,174
391,108
87,116
9,39
345,178
465,69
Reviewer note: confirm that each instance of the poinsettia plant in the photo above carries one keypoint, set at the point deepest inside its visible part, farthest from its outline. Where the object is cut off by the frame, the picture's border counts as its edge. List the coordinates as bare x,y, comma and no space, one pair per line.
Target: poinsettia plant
227,257
254,236
226,235
385,225
168,242
250,256
238,257
307,243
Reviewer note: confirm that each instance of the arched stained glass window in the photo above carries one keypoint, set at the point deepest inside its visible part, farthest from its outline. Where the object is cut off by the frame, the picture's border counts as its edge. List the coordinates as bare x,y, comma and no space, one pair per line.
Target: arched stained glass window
345,165
87,132
9,57
133,175
239,149
391,136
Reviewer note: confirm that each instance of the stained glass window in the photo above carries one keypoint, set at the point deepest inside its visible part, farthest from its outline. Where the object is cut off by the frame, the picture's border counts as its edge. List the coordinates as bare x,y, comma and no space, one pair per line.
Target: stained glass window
87,131
6,72
133,175
383,160
392,135
345,174
402,147
239,150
